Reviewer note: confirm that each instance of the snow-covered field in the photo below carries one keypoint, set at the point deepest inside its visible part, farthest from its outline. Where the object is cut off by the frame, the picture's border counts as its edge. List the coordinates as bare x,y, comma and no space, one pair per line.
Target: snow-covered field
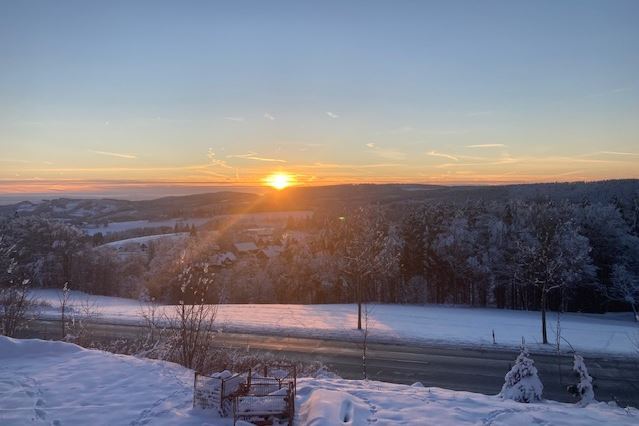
146,239
137,224
614,334
57,383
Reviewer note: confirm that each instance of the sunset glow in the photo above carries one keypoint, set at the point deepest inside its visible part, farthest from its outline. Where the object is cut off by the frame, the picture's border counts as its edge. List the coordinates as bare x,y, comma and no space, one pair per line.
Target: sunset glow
279,180
193,111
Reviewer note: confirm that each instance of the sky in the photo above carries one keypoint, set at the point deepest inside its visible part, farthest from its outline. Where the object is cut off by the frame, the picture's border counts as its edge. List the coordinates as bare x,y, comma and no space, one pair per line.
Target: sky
97,94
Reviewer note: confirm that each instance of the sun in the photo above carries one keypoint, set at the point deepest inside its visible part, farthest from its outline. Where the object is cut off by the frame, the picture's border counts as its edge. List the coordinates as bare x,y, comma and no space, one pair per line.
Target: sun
279,180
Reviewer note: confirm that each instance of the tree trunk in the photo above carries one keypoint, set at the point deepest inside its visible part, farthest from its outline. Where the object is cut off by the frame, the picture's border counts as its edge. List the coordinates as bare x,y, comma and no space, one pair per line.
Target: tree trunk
359,304
544,335
634,311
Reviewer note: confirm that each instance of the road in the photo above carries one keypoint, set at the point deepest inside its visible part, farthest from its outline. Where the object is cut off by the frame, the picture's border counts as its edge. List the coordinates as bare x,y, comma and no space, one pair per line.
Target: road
475,370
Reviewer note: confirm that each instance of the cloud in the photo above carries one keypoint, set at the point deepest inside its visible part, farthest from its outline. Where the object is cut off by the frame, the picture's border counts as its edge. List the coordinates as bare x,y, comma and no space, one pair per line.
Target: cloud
487,145
269,116
348,166
114,154
389,154
629,154
254,156
442,155
215,161
236,119
332,114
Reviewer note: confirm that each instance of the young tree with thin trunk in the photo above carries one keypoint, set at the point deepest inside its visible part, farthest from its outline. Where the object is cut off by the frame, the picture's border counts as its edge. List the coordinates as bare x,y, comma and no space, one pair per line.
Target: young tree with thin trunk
361,237
194,317
554,255
63,298
15,300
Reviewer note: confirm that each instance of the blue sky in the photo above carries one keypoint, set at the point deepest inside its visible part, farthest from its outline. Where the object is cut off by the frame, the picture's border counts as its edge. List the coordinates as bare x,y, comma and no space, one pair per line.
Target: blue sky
349,91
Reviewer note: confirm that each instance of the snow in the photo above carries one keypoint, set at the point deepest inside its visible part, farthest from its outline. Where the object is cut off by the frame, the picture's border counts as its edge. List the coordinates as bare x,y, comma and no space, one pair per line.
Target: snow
60,383
522,383
584,388
139,224
145,239
245,247
324,402
590,334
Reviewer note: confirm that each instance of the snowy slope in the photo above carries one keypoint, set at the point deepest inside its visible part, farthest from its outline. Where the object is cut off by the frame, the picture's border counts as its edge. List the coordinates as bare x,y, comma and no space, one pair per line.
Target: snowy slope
588,333
58,383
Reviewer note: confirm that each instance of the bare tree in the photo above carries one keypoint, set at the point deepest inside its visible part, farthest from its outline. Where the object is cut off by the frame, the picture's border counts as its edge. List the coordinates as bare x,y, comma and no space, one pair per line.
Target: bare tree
193,323
15,301
15,305
78,327
362,240
63,298
555,256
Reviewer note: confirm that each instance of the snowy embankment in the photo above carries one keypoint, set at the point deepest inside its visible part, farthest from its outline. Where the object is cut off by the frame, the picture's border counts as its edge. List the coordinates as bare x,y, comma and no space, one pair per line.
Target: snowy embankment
611,334
57,383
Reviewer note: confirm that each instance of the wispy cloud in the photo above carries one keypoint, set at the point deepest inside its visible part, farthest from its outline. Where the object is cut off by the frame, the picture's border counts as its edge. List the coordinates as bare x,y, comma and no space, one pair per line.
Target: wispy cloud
332,114
627,154
348,166
442,155
215,161
255,156
114,154
389,154
487,145
269,116
236,119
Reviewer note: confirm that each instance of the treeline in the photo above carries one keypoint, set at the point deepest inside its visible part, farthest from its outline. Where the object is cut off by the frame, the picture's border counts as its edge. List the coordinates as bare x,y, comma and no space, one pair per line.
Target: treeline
534,254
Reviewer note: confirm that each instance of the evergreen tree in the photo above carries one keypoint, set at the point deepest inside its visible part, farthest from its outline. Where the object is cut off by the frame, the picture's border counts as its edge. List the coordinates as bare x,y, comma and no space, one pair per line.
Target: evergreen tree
522,383
583,389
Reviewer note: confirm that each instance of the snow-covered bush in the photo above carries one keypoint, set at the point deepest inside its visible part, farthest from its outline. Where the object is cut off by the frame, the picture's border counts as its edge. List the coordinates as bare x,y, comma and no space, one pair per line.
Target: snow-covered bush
522,383
583,389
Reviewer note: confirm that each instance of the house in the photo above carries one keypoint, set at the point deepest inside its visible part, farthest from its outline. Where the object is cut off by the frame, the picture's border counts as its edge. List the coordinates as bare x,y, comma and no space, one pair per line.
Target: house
223,259
245,247
270,252
260,235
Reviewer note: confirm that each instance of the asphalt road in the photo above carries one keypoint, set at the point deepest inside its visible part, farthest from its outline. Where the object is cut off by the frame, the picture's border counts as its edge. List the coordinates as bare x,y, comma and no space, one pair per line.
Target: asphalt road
475,370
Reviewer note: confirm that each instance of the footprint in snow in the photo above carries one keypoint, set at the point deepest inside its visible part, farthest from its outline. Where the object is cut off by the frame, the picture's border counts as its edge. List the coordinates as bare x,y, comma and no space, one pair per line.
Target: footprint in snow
41,414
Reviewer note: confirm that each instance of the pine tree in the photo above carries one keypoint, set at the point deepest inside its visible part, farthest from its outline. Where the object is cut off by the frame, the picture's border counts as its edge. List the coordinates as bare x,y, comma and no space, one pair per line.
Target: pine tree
522,383
583,389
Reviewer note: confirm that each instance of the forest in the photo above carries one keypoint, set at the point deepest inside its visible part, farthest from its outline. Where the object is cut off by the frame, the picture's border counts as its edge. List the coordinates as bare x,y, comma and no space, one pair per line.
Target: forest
531,254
